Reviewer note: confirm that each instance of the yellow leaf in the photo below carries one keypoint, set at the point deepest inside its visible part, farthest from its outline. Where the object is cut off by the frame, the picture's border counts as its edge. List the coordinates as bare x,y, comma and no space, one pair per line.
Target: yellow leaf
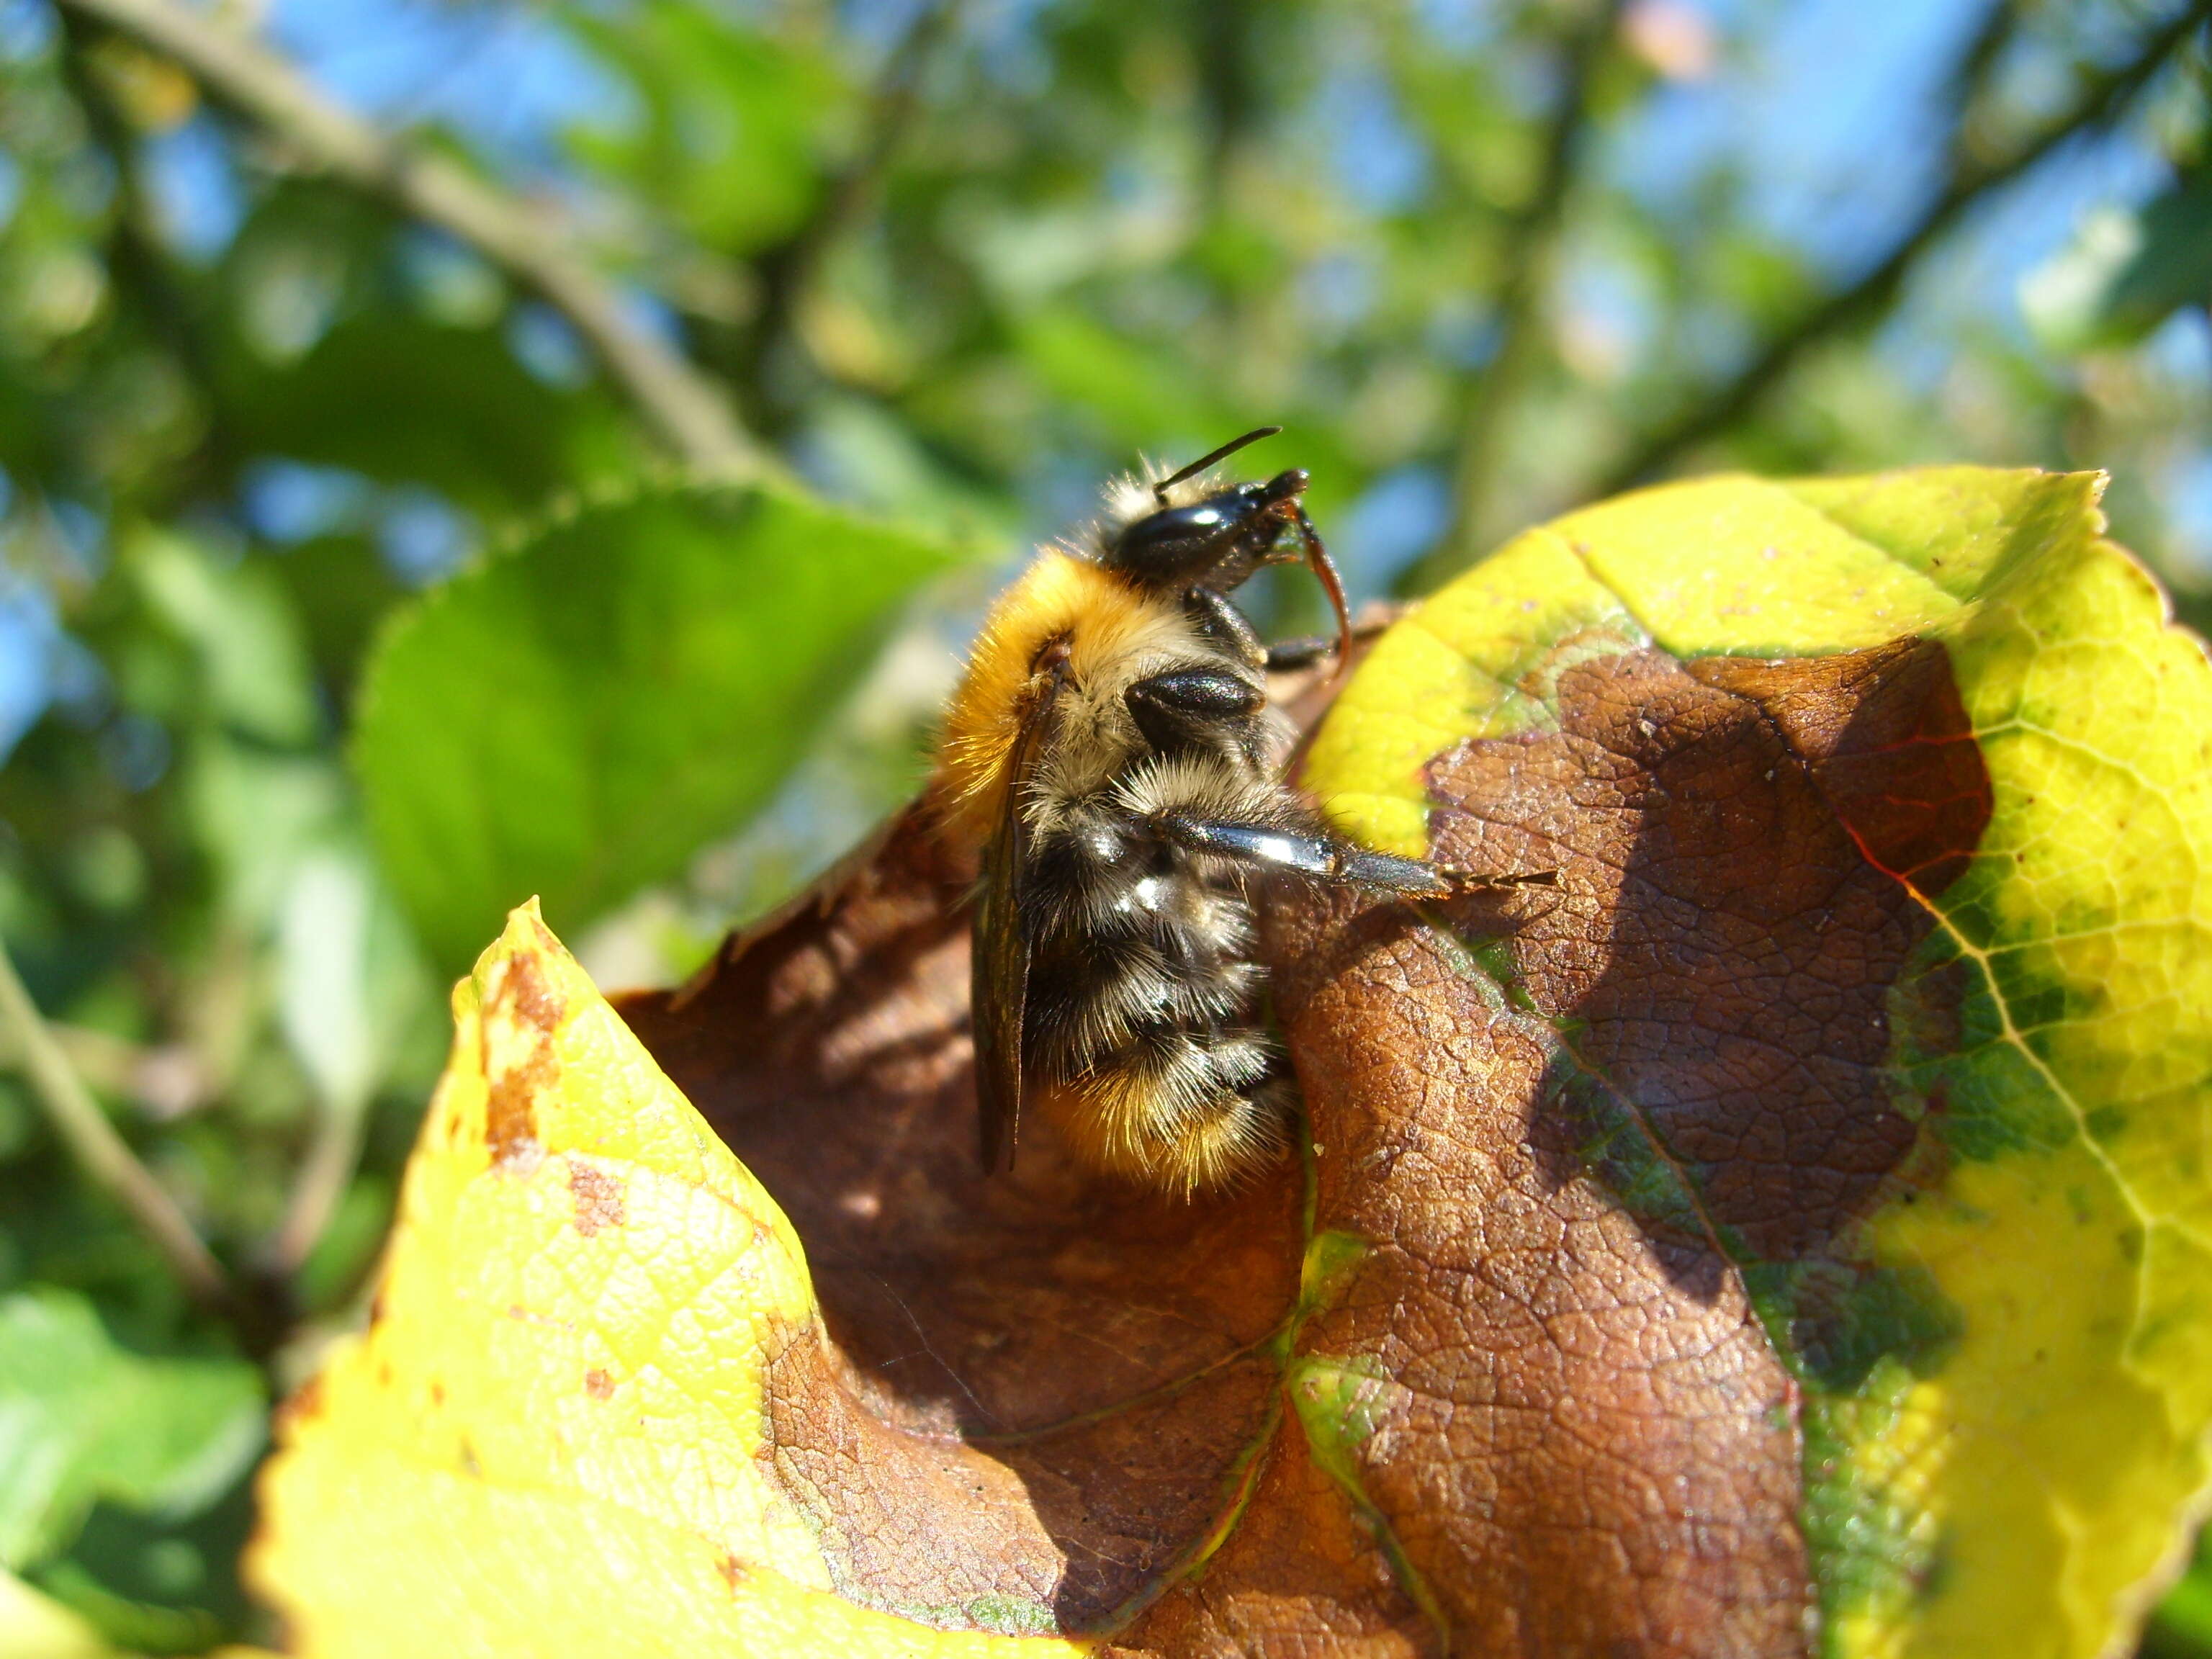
550,1440
36,1626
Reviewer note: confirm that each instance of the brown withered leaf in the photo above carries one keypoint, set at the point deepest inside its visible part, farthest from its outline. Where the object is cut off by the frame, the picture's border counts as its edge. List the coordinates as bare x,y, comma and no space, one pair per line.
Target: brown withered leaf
1567,1429
1035,1389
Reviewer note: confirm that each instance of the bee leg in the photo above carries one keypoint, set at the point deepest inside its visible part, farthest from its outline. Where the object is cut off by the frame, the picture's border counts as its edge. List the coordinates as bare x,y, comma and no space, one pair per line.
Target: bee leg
1467,880
1325,859
1195,707
1317,857
1301,652
1222,623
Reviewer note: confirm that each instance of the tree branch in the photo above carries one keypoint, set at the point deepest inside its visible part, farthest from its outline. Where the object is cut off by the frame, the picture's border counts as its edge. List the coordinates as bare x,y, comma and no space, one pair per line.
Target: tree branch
323,1175
1224,31
681,403
140,264
91,1138
2103,95
1531,244
787,272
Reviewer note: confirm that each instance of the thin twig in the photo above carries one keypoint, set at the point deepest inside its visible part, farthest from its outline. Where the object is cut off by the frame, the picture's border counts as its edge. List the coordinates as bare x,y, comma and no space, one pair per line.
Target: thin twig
2102,96
788,273
142,267
324,1175
1530,245
1224,31
165,1082
244,74
2000,27
84,1128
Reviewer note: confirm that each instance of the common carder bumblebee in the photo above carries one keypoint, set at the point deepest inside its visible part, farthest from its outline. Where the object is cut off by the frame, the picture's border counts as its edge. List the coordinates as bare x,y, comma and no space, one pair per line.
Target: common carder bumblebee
1111,760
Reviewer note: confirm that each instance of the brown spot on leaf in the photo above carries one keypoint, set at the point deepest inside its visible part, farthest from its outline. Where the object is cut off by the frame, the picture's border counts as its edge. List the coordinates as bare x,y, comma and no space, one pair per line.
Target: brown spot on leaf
908,1521
733,1572
913,1520
1302,1572
598,1384
1611,1432
1889,745
1723,944
510,1117
598,1197
303,1402
523,989
520,994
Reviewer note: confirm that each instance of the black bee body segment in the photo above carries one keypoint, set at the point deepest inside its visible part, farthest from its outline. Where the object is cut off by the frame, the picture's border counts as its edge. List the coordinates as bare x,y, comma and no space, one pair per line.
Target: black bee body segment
1143,803
1197,708
1143,991
1302,652
1221,623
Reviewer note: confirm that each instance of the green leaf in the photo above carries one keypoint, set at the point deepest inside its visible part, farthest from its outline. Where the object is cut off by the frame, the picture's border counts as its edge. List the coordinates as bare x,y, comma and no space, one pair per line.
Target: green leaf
239,623
729,138
574,718
404,400
82,1420
1126,389
339,586
348,978
2182,1626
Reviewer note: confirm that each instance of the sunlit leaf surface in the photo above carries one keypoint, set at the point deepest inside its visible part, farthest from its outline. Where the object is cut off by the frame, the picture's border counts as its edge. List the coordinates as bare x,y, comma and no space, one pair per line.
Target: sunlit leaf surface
577,715
1783,1235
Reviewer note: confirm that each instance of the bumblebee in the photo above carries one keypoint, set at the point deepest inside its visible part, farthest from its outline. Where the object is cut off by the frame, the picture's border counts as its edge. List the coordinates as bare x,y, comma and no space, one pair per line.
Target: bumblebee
1111,762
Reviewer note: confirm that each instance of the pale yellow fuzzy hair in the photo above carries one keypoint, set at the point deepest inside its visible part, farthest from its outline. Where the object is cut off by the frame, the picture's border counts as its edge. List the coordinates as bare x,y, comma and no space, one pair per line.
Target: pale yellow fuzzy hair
1105,619
1064,591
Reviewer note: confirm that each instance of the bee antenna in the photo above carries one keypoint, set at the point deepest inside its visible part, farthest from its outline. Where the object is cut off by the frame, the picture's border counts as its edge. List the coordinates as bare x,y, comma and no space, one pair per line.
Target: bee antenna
1160,489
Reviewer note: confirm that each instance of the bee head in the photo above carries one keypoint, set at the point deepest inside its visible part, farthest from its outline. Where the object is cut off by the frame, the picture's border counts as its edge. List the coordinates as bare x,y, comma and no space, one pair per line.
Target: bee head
1218,540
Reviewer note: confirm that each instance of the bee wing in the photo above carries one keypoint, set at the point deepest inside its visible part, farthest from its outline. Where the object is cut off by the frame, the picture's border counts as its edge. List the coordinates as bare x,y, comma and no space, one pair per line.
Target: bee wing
1000,943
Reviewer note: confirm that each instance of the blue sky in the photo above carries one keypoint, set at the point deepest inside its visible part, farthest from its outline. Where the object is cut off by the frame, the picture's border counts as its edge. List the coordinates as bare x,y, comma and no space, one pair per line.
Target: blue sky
1832,124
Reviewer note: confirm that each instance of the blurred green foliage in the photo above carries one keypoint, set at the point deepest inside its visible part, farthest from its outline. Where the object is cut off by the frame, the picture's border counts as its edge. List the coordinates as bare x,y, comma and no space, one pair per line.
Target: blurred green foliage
346,598
640,675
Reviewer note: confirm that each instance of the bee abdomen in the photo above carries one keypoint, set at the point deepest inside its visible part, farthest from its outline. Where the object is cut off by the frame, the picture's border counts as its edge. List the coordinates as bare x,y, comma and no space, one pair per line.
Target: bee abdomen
1186,1109
1140,999
1093,993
